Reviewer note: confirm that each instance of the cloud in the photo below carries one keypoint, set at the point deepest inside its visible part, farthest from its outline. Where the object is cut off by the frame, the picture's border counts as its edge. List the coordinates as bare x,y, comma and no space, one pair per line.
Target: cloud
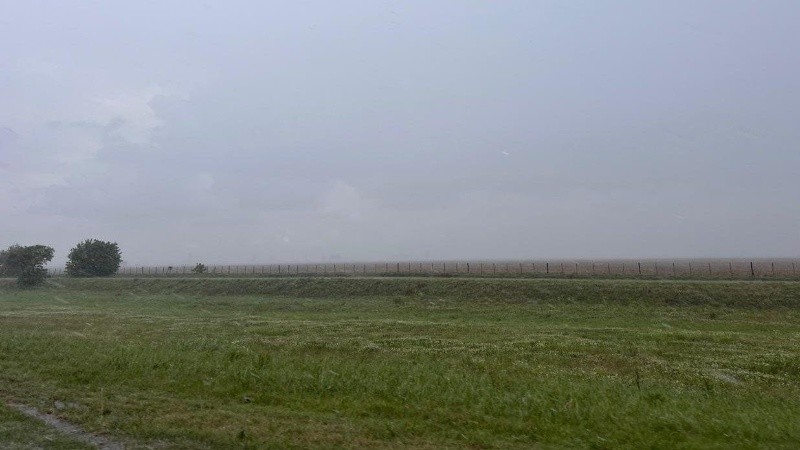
343,201
319,130
129,115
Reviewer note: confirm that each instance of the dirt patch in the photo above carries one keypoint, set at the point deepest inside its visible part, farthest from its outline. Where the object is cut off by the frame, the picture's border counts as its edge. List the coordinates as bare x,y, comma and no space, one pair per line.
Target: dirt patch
67,428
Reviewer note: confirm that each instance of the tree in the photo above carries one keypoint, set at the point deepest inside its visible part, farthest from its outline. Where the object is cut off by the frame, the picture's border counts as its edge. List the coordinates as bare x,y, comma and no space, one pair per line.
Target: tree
94,258
26,263
3,269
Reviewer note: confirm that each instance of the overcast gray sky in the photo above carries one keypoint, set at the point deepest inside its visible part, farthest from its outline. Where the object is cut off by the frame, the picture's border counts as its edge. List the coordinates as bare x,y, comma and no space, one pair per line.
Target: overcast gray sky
256,132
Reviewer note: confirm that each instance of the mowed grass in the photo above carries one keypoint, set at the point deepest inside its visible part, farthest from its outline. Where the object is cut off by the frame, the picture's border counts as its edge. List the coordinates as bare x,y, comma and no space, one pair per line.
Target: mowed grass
656,365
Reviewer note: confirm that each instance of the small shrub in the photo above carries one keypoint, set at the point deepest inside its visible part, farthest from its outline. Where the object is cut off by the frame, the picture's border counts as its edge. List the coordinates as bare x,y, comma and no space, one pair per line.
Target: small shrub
200,268
94,258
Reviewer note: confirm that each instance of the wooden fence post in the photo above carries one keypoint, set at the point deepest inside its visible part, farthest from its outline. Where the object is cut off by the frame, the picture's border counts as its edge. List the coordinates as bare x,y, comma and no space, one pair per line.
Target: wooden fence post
752,270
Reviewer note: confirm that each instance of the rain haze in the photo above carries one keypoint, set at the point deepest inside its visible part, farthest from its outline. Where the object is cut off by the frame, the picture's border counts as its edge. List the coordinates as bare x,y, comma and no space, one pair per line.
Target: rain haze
259,132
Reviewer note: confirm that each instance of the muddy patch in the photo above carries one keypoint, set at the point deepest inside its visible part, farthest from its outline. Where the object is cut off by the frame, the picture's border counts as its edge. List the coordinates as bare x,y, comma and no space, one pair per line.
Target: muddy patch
67,428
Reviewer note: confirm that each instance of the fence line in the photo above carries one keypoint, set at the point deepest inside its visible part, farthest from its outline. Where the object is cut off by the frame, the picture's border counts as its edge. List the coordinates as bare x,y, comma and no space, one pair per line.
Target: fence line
730,269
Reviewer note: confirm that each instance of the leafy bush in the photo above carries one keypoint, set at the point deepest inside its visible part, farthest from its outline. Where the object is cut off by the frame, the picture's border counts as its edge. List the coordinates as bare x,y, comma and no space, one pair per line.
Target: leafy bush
94,258
26,263
200,268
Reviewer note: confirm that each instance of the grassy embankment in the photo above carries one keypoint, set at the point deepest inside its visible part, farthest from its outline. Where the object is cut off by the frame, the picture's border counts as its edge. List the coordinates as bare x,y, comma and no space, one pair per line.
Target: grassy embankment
423,363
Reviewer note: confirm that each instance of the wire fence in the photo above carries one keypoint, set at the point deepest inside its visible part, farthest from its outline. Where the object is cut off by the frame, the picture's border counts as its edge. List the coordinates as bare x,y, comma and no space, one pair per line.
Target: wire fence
687,269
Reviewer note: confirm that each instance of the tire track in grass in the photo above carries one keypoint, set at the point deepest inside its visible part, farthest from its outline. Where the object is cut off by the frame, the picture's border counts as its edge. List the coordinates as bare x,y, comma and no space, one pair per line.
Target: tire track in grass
69,429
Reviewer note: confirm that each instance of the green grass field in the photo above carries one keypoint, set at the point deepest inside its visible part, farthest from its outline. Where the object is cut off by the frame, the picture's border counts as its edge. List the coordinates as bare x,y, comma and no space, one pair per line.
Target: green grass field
404,363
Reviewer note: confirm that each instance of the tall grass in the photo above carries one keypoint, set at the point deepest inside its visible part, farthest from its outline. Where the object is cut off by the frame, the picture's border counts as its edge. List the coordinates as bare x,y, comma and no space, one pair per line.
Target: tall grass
445,363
